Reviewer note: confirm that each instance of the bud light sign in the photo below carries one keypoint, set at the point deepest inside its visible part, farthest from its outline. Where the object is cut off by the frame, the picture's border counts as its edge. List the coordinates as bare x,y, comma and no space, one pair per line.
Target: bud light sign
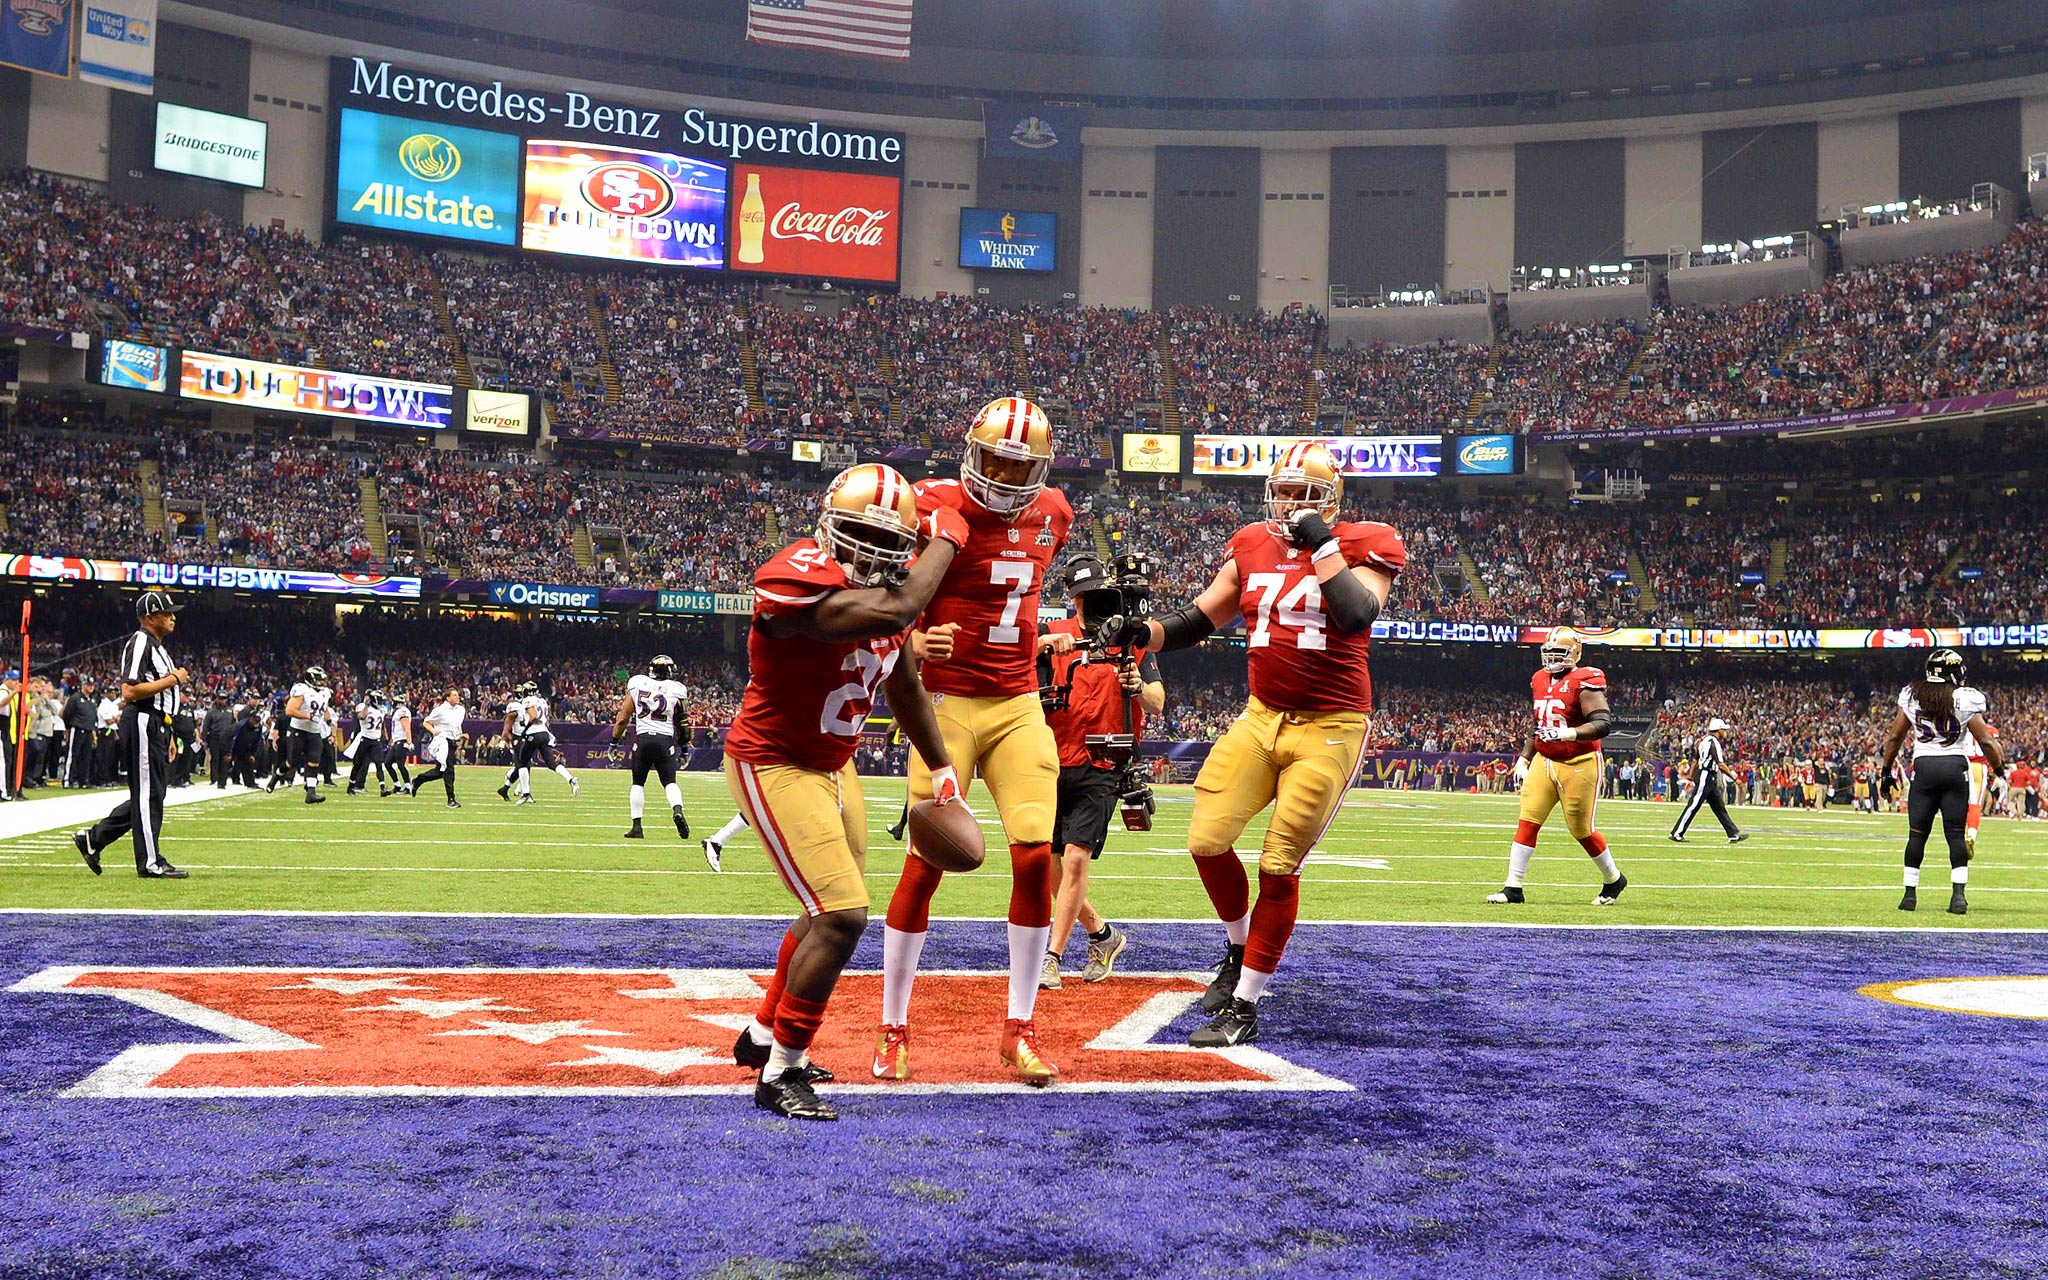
1486,455
803,222
620,203
1008,240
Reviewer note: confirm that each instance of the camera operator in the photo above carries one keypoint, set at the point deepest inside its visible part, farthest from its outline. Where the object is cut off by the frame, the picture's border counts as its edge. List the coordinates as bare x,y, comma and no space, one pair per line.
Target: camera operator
1097,700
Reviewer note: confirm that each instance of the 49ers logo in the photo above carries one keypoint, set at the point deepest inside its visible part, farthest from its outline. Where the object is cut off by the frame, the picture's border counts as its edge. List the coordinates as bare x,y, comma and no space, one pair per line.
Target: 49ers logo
628,190
551,1031
855,226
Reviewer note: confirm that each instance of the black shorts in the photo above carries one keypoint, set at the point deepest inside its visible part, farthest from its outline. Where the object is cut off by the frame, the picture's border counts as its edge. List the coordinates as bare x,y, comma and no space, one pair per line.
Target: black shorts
302,749
534,747
655,755
1087,797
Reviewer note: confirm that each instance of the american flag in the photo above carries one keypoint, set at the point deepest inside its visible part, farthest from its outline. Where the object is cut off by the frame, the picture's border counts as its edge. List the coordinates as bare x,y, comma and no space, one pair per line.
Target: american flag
864,28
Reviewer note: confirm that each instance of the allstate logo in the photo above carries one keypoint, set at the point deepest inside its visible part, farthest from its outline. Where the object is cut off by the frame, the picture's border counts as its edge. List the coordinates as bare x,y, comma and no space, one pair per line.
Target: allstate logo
430,157
1034,133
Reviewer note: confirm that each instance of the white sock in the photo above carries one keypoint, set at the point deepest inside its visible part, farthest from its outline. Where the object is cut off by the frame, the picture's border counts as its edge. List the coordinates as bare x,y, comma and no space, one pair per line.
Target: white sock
1959,875
1239,929
636,802
782,1058
900,951
1609,873
732,828
563,771
311,785
1251,984
674,794
1518,863
760,1032
1912,877
1027,957
525,782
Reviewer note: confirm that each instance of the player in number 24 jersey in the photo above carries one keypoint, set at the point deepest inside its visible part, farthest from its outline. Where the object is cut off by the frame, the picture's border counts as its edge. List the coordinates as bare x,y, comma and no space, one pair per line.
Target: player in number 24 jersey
1308,593
831,618
1013,526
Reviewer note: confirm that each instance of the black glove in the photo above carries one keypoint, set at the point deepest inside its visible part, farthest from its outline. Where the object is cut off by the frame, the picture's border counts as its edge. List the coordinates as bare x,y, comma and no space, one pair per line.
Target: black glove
1887,786
1309,529
1122,632
617,738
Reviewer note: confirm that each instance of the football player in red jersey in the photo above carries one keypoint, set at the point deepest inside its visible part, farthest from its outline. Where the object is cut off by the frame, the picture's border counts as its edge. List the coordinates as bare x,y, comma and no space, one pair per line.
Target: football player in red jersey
1572,717
986,697
1309,594
831,618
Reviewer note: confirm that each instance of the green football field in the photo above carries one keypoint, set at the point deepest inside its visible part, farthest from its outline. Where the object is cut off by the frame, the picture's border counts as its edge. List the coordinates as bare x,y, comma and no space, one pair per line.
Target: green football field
1393,856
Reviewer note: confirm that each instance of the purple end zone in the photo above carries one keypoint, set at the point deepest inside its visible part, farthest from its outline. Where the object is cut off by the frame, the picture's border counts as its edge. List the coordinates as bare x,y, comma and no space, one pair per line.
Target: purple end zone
1528,1103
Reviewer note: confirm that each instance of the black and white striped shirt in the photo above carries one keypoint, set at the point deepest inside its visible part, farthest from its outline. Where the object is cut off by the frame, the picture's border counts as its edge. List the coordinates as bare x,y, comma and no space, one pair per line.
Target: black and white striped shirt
1708,756
144,660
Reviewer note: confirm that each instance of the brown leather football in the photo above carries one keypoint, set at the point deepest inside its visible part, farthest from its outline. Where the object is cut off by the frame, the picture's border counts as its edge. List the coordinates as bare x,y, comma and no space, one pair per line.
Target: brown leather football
948,838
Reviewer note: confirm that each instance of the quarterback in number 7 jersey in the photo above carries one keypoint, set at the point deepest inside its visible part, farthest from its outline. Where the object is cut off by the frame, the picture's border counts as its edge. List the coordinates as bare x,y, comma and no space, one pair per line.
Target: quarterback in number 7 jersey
1560,764
831,618
1010,526
1308,591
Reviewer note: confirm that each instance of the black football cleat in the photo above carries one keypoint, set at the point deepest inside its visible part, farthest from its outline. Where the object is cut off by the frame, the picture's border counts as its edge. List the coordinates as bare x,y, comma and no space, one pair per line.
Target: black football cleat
1224,985
314,797
1957,906
748,1053
1509,893
82,838
636,833
454,804
505,792
1675,838
1738,837
682,824
790,1096
1237,1023
165,871
1610,893
896,828
1911,902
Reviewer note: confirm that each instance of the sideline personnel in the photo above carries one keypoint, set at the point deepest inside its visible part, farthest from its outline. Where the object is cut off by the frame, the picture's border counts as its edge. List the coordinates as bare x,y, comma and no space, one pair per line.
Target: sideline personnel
149,701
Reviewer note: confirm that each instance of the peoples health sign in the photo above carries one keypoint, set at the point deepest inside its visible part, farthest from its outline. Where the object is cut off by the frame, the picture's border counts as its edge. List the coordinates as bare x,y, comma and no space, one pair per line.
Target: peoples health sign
1382,456
279,388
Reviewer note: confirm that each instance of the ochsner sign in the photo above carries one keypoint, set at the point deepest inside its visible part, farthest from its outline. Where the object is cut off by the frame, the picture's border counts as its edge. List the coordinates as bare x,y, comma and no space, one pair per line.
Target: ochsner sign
1355,455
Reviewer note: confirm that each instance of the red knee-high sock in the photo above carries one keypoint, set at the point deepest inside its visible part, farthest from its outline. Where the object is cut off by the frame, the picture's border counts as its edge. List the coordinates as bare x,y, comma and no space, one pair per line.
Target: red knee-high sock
910,907
796,1021
766,1016
1230,890
1594,845
1032,885
1527,831
1272,921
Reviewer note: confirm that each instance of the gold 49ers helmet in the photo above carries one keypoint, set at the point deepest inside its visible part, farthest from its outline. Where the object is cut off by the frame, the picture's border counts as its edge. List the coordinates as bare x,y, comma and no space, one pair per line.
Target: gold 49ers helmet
1560,653
1007,456
1304,475
869,523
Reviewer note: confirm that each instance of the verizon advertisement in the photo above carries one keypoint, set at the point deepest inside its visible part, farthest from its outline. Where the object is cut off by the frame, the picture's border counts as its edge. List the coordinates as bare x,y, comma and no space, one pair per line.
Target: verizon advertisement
804,222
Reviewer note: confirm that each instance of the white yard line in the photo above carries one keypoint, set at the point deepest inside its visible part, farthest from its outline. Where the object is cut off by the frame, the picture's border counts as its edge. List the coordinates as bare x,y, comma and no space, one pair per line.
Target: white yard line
68,813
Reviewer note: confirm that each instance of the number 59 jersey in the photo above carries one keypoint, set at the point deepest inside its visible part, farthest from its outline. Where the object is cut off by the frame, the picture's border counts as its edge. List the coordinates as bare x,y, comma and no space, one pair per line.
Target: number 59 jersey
991,589
1297,661
806,699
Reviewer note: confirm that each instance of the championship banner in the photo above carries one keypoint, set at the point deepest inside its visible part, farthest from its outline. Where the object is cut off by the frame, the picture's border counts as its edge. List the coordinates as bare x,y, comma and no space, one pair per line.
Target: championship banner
625,204
1381,456
35,35
153,573
1152,453
1032,131
117,44
278,388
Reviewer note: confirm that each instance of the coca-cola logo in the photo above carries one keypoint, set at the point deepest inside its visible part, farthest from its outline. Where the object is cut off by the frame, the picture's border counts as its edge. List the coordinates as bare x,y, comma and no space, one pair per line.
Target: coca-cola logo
628,190
852,225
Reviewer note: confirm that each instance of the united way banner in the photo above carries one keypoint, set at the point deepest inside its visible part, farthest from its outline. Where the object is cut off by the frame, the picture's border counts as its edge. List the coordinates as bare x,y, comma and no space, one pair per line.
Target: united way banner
117,44
1031,131
35,35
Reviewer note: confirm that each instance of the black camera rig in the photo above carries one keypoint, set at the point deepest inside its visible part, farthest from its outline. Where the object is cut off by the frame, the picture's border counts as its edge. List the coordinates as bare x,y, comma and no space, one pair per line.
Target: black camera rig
1105,599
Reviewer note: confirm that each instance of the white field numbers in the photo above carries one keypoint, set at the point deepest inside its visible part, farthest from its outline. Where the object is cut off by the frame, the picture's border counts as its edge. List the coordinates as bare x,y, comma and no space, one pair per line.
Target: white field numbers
1300,608
1018,574
868,670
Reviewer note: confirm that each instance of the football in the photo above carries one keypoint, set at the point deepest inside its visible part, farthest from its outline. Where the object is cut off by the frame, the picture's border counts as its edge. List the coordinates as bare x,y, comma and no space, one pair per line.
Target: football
948,838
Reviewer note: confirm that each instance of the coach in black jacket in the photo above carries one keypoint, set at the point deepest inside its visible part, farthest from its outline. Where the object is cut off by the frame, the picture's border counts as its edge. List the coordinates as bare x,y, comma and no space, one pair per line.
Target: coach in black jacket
219,731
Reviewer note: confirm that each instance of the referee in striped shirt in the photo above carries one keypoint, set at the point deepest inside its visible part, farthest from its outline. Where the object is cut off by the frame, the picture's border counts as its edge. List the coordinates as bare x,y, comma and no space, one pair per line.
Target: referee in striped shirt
1709,768
149,699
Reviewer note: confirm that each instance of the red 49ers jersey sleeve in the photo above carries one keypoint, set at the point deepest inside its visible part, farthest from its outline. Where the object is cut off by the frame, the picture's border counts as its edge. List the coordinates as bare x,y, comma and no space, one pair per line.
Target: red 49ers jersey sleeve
1556,703
991,590
1095,697
806,699
1297,661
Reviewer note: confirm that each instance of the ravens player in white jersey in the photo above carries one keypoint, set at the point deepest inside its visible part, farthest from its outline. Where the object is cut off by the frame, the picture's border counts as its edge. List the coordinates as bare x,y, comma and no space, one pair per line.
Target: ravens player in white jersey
305,712
398,745
526,725
653,705
368,747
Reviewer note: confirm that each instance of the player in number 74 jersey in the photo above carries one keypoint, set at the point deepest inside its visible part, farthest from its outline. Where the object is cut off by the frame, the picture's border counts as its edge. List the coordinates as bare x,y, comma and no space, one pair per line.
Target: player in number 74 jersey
1308,593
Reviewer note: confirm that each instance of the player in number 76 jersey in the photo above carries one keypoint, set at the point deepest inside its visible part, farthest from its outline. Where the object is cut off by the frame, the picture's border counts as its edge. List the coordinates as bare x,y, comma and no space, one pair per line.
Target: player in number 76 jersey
1308,593
831,618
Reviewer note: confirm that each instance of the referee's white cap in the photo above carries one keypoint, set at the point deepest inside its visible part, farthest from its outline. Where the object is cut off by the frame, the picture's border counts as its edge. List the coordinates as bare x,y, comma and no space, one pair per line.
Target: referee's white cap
1717,725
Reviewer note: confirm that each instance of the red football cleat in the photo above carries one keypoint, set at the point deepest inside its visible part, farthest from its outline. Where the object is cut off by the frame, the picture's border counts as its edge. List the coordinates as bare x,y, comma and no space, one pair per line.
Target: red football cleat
892,1053
1020,1053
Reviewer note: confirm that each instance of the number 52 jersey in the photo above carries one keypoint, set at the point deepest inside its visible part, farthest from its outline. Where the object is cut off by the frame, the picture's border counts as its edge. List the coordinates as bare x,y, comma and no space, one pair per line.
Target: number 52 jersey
806,699
1297,661
991,589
